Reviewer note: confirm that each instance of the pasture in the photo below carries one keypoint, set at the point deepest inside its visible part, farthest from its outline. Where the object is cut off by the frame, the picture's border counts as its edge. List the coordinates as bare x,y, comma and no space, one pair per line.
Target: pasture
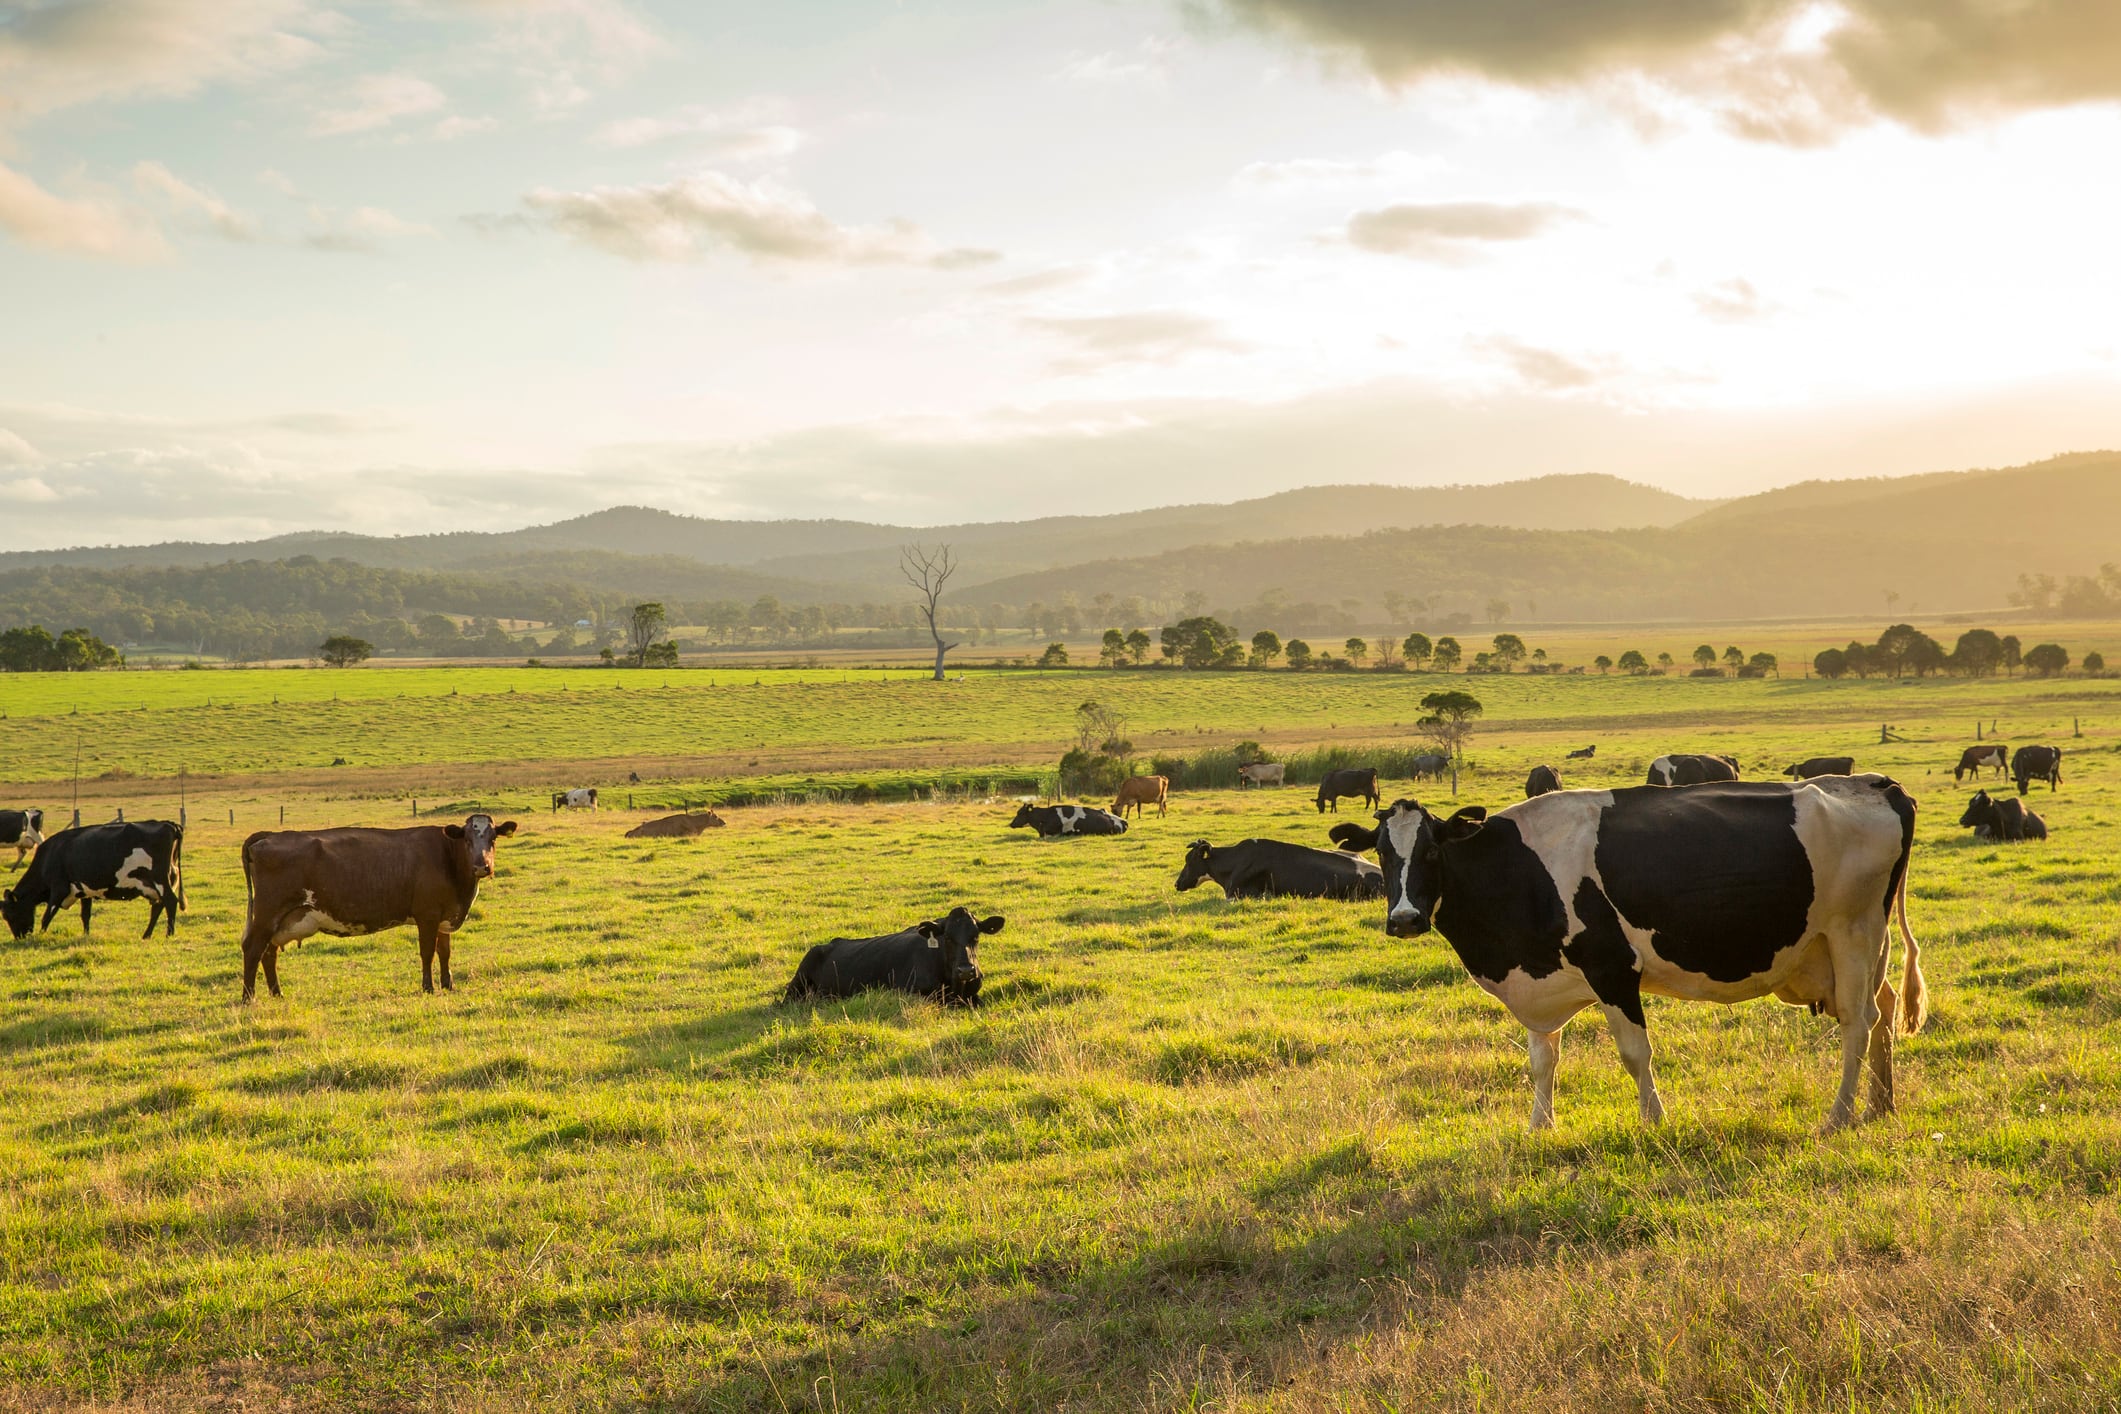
1191,1154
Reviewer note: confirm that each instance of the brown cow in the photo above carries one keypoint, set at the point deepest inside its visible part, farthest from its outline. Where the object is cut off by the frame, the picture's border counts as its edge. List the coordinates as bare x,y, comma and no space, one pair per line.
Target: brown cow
1140,790
1974,758
350,882
676,827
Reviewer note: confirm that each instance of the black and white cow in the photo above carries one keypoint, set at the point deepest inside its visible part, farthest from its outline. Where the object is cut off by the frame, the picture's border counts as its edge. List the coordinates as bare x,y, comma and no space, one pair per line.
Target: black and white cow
1277,869
1724,892
1432,765
2037,763
1821,766
1971,760
1352,780
1688,770
1542,780
1586,754
580,798
930,959
133,859
1054,821
2005,819
24,829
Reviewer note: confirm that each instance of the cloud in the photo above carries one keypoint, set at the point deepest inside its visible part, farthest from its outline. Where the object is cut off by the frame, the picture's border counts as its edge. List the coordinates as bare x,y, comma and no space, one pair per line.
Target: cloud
194,205
1038,282
1733,301
1312,172
745,134
27,490
685,219
1779,70
361,231
1149,65
1449,230
1144,336
92,226
563,47
1543,369
58,55
377,101
15,449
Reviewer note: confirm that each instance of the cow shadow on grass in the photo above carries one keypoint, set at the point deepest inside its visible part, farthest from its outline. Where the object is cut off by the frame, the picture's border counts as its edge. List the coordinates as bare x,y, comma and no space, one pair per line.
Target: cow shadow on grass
1227,1303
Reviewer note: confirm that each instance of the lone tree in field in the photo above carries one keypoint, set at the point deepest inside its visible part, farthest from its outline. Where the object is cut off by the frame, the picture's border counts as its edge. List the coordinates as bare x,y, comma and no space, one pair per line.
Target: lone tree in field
2047,659
643,629
928,572
1449,724
343,650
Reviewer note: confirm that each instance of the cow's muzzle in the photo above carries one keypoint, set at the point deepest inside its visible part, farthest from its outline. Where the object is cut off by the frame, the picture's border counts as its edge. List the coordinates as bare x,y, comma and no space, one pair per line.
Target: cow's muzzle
1406,925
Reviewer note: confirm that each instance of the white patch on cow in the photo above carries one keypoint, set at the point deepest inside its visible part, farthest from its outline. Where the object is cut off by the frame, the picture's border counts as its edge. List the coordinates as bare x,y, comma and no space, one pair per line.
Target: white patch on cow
135,873
1071,818
1662,767
1562,829
1404,828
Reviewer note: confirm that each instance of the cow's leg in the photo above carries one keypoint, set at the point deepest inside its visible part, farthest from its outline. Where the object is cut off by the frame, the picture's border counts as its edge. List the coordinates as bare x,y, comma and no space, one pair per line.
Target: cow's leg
1633,1041
1881,1053
154,916
428,931
85,902
442,956
1545,1050
1856,1002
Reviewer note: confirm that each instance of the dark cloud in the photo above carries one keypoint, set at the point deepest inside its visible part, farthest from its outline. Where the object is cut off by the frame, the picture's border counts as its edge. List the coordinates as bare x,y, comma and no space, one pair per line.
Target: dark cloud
1449,230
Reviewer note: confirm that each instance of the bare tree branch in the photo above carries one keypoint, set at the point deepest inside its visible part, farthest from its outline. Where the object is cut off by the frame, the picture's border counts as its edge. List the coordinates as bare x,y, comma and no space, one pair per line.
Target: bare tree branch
927,572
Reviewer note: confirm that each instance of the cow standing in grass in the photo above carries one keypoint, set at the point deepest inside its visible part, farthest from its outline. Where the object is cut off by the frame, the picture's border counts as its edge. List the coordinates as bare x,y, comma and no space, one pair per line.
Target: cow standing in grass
2037,763
128,859
24,829
352,882
1353,780
1974,758
1140,790
581,798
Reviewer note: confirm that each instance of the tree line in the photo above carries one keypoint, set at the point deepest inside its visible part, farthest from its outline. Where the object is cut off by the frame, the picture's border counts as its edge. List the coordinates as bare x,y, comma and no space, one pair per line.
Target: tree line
1904,650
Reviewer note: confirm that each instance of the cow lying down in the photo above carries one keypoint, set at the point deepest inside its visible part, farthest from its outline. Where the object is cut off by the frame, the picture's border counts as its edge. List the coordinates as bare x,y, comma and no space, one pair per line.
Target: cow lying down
2005,819
1056,821
930,959
1277,869
1720,892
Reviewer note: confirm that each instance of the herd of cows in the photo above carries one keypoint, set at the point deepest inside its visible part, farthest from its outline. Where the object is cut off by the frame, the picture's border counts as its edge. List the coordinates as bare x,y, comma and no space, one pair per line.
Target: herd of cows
1695,885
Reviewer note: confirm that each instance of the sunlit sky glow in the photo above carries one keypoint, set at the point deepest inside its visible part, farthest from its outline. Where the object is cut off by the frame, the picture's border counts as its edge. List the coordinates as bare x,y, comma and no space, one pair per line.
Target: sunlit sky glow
284,264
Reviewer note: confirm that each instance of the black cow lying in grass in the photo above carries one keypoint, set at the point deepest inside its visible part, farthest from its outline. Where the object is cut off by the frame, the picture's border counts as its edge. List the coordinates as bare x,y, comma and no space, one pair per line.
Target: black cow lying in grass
1274,868
1054,821
930,959
2005,819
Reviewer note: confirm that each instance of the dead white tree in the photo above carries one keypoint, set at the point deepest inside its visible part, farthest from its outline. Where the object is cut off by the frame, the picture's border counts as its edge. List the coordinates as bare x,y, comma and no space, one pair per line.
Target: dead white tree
927,573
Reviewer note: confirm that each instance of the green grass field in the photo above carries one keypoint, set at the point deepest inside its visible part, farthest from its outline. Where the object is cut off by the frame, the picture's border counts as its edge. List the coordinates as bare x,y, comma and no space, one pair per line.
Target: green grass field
1192,1154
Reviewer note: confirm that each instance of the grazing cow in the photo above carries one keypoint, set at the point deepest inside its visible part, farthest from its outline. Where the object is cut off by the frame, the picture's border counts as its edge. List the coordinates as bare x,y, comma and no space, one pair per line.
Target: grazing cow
676,827
1542,780
354,881
1140,790
24,829
1054,821
1354,780
1261,773
1584,755
2037,763
1429,765
1974,758
2007,819
1682,770
930,959
575,799
1276,869
124,860
1724,892
1822,766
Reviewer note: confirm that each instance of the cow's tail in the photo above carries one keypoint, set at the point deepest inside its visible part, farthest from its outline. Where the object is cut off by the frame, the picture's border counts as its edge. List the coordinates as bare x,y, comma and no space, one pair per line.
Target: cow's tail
1914,992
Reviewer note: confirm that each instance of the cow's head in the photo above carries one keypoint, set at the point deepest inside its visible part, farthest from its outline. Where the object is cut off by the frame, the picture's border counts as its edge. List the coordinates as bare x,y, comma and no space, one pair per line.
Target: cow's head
1410,843
1023,817
1197,855
33,827
1980,812
958,936
480,834
19,910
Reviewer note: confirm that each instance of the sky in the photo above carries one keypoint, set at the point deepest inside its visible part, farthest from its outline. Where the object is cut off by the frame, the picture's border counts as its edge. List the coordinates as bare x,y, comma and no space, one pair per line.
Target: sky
397,267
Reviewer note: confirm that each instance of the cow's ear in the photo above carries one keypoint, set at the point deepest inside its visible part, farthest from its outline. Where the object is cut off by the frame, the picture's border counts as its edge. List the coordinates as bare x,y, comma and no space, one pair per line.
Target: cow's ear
927,927
506,827
1353,838
1464,825
991,924
455,832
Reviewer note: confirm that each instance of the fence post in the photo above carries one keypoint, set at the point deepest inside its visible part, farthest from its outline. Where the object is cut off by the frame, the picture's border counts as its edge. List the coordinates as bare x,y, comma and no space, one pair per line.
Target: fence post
231,816
121,814
283,814
416,807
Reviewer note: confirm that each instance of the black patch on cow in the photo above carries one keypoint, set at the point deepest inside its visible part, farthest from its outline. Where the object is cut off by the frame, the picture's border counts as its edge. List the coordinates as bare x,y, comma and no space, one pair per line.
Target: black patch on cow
1716,873
1602,953
1500,908
1903,805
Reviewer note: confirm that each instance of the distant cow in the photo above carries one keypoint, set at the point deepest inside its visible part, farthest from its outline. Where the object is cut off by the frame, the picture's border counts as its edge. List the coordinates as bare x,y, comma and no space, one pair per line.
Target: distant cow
1542,780
1276,869
126,860
24,829
1430,765
1261,773
1974,758
575,799
1138,791
930,959
1683,770
1584,755
351,882
1054,821
2007,819
2037,763
1822,766
1355,780
676,827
